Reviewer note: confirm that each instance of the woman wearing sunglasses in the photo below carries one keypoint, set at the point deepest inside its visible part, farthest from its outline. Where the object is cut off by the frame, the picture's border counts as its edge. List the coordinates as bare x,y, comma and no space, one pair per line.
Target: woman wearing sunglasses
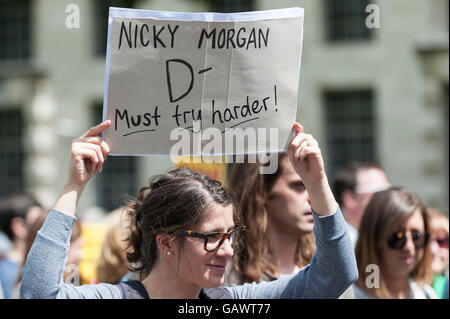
392,251
183,232
439,250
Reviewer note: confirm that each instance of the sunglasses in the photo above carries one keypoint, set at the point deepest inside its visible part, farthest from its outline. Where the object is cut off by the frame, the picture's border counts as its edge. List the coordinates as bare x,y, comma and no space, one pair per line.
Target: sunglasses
212,241
442,242
398,239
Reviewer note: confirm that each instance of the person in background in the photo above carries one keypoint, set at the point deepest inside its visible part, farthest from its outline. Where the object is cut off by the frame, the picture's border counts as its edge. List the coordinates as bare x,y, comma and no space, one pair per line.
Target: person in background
439,250
445,295
17,212
2,295
277,206
393,249
354,185
5,244
113,266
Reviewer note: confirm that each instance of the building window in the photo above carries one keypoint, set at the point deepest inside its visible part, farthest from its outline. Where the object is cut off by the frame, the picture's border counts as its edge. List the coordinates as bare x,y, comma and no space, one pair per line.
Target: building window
346,20
100,16
11,152
15,37
350,125
118,177
227,6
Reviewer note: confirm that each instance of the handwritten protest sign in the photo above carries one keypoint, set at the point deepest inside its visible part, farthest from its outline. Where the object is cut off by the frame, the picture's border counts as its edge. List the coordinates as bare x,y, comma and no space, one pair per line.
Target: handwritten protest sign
226,83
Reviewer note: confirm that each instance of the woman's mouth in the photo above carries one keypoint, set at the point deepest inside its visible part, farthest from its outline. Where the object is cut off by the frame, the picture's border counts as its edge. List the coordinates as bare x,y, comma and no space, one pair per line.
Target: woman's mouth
308,215
217,267
408,259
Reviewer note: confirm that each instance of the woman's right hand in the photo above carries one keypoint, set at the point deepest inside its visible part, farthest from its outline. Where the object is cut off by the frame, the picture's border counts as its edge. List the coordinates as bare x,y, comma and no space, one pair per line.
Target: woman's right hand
88,154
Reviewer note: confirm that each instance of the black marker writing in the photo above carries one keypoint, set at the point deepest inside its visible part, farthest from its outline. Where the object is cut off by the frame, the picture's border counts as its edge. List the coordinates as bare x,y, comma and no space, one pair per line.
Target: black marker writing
135,35
232,126
136,121
169,81
238,111
188,116
229,38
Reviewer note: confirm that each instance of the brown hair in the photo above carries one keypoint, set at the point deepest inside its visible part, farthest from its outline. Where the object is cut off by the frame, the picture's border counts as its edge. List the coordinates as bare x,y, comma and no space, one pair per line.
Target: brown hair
172,202
255,258
14,205
345,177
385,211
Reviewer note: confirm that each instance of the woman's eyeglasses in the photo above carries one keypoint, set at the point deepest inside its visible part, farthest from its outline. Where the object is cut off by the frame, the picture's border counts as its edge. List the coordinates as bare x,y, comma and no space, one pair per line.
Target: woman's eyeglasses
212,241
398,239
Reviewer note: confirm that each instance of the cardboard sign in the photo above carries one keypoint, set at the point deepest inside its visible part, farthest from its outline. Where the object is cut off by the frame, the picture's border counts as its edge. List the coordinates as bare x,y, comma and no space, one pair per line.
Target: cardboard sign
225,83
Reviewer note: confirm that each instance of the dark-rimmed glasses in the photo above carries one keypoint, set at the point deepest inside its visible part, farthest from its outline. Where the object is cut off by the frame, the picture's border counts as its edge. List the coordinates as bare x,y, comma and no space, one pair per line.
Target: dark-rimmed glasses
215,239
398,239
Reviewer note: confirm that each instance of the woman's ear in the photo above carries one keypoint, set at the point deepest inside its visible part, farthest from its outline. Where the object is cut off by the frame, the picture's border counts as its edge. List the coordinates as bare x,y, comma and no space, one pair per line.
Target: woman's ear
166,244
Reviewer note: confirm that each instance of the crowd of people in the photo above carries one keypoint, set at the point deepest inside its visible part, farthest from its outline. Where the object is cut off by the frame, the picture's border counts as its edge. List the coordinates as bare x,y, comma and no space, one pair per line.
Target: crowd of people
289,234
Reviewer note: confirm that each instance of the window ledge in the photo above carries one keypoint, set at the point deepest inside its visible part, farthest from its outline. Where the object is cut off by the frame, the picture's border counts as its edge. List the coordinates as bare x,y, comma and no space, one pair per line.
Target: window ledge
20,68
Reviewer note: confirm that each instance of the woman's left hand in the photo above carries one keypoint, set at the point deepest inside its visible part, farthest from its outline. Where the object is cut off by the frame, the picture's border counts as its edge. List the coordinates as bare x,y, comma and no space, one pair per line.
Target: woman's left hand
306,156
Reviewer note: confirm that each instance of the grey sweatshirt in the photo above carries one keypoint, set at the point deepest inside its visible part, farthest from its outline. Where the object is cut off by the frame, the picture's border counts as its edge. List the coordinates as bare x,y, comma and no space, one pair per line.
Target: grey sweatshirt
331,271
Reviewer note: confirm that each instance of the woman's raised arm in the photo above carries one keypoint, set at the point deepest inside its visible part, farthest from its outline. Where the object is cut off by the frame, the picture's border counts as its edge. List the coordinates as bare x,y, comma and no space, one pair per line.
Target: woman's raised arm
87,157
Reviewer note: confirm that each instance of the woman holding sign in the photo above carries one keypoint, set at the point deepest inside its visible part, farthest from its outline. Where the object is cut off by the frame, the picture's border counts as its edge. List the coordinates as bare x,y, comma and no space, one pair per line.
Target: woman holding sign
183,233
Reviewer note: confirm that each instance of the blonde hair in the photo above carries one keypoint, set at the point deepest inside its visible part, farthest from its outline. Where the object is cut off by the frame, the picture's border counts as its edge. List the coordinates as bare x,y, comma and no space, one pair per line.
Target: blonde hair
255,258
438,221
385,211
112,264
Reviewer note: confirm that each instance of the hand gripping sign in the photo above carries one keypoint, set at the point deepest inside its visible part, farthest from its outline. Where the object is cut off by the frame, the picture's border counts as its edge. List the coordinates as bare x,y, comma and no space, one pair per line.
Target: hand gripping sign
201,83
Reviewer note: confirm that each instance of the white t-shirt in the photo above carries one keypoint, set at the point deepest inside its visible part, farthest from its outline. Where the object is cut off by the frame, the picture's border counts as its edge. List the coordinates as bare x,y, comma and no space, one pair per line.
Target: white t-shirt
415,292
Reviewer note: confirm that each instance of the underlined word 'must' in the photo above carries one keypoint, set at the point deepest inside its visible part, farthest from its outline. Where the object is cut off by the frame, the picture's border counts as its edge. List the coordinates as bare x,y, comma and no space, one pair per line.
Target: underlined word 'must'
146,122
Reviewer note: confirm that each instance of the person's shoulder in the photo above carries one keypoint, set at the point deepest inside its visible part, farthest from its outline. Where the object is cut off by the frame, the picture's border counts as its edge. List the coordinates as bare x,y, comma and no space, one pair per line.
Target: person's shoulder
215,293
422,291
359,293
132,289
430,292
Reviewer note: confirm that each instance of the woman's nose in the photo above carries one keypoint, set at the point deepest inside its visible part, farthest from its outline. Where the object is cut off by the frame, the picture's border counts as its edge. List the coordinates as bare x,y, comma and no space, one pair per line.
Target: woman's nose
434,246
226,249
409,245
